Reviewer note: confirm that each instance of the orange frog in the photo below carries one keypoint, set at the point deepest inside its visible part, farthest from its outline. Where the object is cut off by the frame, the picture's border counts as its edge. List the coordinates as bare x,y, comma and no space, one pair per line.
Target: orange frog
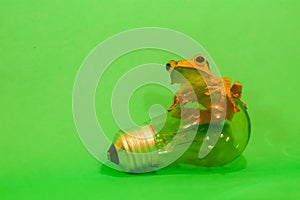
198,84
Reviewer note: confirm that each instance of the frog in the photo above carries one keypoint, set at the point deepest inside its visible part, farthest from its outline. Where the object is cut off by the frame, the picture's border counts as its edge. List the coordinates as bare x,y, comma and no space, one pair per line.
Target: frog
195,77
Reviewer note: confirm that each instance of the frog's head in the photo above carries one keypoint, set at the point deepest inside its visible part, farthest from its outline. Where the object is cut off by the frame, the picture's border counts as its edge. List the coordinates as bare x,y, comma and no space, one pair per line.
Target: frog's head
197,66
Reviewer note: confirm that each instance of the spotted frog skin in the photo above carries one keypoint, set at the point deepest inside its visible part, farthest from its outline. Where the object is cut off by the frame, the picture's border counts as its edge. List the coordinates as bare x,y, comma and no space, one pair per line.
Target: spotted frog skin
198,84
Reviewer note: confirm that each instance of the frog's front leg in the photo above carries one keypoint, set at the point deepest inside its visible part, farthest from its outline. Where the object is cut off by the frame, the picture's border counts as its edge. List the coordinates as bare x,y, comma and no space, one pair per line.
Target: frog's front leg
184,96
175,103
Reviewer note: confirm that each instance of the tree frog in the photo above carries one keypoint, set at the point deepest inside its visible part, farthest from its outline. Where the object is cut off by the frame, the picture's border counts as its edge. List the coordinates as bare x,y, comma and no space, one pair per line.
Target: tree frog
195,77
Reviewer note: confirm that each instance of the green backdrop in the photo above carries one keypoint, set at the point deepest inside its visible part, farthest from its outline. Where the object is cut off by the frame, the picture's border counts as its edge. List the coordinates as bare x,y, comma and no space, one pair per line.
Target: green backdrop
43,44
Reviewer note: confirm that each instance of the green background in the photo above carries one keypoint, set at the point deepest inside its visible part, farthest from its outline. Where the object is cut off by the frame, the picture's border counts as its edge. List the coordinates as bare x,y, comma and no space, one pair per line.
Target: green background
43,44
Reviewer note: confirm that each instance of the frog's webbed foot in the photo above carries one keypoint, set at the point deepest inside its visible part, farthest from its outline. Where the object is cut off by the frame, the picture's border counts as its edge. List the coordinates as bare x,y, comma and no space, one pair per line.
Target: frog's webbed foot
244,104
240,100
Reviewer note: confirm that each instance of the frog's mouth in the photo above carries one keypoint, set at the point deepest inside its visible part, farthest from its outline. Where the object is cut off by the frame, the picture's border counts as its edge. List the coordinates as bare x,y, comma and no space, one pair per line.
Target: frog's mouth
180,75
184,75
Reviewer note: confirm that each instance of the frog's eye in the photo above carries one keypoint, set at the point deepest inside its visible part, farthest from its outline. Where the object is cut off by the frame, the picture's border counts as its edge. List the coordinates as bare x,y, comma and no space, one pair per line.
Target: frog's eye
168,66
200,59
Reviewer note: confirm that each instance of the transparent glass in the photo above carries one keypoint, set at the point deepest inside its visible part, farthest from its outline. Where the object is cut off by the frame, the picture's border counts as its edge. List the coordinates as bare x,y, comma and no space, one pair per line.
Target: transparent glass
166,140
230,145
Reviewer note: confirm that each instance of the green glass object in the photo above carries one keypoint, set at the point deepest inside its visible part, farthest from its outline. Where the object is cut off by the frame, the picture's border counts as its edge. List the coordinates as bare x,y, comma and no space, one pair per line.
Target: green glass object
146,149
231,143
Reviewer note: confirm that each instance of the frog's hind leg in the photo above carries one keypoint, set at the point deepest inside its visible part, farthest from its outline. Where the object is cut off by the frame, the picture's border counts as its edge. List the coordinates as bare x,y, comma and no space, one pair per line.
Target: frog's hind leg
236,91
227,85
